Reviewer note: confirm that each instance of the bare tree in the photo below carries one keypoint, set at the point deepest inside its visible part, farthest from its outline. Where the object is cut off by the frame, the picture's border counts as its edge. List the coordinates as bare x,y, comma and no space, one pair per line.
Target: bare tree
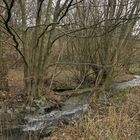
3,65
36,38
110,37
98,31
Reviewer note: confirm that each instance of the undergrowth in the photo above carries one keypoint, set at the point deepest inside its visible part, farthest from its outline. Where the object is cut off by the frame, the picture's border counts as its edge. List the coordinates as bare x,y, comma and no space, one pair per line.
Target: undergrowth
115,121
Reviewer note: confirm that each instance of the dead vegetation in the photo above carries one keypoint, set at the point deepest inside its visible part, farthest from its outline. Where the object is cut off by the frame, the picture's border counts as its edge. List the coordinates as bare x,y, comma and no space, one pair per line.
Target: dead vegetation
117,121
73,44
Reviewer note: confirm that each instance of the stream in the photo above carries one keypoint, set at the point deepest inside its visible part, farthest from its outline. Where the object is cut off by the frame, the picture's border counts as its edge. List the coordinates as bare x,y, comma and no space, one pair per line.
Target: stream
132,83
72,108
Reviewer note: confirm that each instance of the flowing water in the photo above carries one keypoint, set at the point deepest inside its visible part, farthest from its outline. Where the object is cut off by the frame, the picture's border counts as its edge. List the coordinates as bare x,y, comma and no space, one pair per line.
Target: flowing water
132,83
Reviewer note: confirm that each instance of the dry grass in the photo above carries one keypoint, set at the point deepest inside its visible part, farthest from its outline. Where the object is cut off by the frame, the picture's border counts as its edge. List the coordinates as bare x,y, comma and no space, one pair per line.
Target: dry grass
15,77
121,77
117,122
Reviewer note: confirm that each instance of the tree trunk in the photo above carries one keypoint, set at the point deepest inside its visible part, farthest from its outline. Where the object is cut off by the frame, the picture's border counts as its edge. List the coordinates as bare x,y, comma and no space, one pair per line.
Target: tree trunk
3,71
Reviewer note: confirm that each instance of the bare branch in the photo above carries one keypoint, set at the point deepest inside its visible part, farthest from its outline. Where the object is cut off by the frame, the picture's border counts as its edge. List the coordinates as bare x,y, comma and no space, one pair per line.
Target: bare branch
9,8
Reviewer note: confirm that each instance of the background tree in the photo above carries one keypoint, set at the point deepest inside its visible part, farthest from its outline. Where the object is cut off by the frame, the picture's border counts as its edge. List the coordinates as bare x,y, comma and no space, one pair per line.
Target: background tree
105,48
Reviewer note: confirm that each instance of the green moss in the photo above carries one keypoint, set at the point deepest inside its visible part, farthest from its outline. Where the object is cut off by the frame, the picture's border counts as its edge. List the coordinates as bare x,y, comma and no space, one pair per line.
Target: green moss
40,102
135,70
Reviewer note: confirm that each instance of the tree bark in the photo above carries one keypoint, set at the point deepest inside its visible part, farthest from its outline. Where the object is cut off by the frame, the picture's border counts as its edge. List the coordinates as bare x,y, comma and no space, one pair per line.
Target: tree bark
3,71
